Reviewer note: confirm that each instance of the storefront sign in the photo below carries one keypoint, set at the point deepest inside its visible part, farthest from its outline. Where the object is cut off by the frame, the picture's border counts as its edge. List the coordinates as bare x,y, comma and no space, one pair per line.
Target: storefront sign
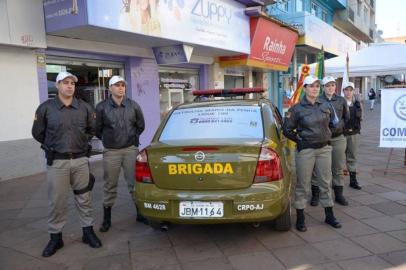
214,23
393,118
170,55
174,83
272,47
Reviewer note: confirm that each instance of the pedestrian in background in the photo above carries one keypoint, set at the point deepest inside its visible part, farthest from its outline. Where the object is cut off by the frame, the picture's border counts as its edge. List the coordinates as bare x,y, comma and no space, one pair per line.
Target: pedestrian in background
352,130
307,124
119,125
64,126
372,97
338,142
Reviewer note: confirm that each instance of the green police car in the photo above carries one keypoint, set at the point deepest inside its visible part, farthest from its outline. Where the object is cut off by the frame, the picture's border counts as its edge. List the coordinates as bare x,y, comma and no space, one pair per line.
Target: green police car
217,160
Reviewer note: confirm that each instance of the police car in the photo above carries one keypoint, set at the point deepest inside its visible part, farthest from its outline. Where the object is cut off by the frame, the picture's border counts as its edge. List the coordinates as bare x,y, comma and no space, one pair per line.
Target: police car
220,159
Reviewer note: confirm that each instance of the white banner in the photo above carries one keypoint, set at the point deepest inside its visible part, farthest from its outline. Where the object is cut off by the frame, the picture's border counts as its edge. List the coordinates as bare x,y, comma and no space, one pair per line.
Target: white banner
393,118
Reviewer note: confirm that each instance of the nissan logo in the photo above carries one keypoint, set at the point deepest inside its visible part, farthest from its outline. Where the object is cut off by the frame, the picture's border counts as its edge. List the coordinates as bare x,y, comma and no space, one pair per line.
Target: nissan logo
200,156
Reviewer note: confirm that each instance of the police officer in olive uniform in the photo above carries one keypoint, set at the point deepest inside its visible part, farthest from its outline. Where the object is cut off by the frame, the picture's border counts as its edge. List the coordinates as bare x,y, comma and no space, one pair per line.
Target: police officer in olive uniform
352,130
338,141
307,123
64,126
119,125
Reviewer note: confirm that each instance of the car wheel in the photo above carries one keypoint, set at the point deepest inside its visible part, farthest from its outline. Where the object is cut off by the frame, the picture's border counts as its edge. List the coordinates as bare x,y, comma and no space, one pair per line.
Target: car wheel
283,223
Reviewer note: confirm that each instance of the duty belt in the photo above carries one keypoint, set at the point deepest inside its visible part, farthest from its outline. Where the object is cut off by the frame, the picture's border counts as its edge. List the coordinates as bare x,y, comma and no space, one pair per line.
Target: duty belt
69,155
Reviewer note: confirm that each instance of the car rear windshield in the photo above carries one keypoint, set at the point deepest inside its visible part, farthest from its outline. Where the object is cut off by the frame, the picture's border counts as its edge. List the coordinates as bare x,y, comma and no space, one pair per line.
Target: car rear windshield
220,122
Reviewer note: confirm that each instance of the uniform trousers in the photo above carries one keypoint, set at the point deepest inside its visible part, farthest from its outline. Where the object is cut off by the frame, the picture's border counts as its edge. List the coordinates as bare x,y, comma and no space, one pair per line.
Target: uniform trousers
64,176
113,161
307,160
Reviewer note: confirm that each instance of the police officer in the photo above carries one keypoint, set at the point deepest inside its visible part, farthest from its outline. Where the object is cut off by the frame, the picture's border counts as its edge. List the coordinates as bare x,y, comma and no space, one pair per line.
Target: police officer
352,130
338,141
307,123
119,125
64,126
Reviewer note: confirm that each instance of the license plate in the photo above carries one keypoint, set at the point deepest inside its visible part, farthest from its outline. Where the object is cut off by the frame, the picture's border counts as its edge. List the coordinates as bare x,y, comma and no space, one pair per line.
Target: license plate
201,209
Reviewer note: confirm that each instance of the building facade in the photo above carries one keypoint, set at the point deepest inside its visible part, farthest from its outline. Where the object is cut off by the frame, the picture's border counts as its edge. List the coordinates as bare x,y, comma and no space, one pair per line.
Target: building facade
164,49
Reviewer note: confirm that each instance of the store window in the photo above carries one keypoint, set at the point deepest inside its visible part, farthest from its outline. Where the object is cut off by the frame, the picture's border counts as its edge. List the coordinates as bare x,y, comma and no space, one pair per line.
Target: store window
324,16
176,86
233,81
314,9
93,77
299,5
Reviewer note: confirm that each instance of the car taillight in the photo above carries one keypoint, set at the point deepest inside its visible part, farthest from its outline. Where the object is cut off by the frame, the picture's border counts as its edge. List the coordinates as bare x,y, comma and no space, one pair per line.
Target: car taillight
269,167
142,171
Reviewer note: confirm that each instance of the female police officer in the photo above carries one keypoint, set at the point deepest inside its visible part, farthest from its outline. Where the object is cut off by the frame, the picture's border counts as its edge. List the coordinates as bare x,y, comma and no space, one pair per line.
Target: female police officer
338,141
307,123
352,130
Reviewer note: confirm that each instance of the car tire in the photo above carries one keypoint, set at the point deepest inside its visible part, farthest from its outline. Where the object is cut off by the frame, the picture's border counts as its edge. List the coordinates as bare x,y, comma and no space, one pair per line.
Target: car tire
284,222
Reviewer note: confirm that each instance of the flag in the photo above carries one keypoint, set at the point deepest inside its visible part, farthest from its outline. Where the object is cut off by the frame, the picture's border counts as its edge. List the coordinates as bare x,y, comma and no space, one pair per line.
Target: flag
299,93
346,75
319,71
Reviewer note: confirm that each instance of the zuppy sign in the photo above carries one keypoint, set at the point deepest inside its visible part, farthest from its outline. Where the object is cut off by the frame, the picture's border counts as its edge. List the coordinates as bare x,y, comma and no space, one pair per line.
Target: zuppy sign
272,47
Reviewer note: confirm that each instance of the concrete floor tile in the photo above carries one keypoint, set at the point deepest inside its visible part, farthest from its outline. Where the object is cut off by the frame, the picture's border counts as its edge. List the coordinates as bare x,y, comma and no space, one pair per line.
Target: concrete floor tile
9,214
39,212
374,189
14,237
401,235
355,228
36,203
12,205
153,259
319,233
240,245
389,208
212,264
379,243
370,263
256,260
393,195
341,249
197,252
273,240
300,255
360,212
187,234
369,199
120,261
396,258
325,266
14,260
385,223
147,242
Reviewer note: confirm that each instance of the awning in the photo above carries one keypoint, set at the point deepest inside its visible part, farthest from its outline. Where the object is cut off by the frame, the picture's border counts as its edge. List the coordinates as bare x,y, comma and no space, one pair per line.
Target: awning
272,47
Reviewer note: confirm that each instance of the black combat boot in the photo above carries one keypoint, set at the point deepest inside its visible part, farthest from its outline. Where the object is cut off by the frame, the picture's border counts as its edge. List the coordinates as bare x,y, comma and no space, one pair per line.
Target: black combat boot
106,219
353,181
330,219
338,192
90,238
315,196
53,245
300,220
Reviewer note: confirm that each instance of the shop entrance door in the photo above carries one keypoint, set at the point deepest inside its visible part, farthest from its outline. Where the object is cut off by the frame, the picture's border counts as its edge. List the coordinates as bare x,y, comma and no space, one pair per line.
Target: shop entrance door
93,77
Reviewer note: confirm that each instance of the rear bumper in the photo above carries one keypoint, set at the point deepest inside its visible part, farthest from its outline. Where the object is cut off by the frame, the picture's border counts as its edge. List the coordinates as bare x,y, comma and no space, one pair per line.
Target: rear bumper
260,202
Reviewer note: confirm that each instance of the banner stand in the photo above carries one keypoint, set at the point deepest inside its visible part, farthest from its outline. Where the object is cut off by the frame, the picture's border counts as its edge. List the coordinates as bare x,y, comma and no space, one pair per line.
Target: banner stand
387,163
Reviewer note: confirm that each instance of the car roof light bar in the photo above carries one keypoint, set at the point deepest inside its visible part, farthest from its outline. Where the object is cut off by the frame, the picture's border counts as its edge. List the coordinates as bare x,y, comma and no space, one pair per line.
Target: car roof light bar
228,92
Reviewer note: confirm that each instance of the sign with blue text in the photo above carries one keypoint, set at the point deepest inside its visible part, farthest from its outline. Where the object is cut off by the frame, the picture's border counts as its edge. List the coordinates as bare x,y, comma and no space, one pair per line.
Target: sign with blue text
214,23
393,118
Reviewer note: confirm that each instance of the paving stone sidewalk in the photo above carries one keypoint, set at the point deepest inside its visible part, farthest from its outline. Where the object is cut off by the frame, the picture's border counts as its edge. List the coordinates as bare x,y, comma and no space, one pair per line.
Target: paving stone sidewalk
373,234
